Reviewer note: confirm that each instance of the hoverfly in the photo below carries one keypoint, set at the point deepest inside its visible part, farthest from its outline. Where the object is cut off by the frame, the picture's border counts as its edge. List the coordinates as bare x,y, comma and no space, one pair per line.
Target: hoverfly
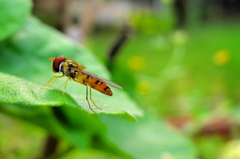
74,71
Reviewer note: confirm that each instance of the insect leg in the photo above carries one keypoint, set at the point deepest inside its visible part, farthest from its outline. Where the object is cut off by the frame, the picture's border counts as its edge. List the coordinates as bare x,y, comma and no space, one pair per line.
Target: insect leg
92,99
47,84
88,100
65,85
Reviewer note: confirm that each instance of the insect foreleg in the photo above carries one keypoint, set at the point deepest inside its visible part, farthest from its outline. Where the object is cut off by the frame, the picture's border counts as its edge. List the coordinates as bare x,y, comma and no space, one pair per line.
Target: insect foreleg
56,77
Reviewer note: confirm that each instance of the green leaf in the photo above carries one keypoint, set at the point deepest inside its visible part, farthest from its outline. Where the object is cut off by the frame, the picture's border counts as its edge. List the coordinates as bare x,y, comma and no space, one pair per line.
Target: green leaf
22,93
27,52
19,91
148,138
44,117
13,15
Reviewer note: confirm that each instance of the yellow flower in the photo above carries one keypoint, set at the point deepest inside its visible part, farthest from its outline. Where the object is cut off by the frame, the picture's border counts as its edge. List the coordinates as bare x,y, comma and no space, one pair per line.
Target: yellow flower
222,57
137,63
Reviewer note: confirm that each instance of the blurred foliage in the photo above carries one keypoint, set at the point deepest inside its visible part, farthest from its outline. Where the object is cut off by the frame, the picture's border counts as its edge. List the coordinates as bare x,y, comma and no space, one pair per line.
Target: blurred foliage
188,77
24,68
10,21
231,150
151,23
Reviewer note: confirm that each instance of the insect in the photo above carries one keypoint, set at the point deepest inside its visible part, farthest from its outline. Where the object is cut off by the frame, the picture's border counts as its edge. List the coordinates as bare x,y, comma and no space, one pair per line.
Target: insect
74,71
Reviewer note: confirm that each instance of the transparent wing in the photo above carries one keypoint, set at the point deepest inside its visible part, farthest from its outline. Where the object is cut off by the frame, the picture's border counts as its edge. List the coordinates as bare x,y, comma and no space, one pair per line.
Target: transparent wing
98,77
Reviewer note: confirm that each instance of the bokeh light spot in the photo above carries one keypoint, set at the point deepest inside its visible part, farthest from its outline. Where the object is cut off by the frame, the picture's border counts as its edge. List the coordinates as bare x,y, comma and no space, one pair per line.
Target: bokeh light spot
222,57
137,63
144,87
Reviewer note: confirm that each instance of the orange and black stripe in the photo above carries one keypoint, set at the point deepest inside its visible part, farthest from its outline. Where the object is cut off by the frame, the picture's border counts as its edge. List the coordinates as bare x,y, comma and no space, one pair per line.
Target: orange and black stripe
94,83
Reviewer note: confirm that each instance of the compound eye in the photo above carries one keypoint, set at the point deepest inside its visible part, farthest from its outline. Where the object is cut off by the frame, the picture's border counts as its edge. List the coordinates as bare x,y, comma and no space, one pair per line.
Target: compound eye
57,63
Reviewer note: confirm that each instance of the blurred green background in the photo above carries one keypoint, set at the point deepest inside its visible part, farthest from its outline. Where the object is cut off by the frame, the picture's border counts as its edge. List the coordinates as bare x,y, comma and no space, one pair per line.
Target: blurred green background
178,60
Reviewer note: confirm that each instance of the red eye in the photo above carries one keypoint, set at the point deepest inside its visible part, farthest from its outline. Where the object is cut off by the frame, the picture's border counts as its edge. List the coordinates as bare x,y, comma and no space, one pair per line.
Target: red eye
57,63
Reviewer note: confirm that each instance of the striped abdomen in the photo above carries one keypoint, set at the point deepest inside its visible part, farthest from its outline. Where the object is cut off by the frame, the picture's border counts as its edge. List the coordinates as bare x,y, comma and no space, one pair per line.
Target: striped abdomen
94,83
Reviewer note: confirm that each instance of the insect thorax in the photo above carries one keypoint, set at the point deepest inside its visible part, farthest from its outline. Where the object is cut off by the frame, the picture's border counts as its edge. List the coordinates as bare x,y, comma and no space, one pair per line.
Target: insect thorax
67,68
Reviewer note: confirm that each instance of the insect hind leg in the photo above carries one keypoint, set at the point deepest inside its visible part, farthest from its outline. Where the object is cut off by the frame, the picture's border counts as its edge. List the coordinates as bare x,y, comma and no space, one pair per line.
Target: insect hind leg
92,99
88,100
